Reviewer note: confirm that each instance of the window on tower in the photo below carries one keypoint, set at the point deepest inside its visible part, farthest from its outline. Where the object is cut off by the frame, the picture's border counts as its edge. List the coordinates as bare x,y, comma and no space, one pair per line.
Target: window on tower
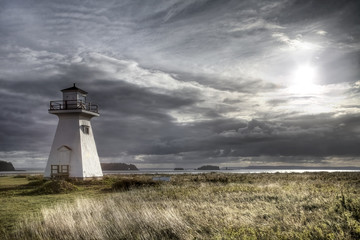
85,129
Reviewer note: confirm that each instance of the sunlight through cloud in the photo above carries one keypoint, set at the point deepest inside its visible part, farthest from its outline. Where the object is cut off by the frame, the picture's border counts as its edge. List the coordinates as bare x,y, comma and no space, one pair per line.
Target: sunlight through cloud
303,80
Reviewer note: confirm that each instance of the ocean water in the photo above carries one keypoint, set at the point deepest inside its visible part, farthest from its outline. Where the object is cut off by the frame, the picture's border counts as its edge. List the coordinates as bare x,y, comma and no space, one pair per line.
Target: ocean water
239,171
192,171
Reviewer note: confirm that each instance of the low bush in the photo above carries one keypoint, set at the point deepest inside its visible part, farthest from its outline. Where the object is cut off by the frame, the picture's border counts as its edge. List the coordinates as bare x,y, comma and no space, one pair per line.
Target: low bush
87,182
127,184
55,187
216,178
36,183
20,176
34,177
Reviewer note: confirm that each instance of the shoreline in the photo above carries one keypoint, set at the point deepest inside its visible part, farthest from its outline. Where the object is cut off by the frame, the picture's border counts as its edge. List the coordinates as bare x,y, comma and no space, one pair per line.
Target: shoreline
179,172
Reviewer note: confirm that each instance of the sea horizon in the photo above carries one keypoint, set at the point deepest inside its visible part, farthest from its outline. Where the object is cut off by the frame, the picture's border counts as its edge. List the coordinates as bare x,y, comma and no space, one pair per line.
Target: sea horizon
233,170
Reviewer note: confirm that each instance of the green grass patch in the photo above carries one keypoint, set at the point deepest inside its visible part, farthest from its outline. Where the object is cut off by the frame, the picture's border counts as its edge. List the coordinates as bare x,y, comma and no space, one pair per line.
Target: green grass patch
12,181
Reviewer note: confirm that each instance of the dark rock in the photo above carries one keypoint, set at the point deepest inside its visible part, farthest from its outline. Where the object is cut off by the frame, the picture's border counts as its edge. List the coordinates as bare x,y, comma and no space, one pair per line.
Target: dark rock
209,167
6,166
118,166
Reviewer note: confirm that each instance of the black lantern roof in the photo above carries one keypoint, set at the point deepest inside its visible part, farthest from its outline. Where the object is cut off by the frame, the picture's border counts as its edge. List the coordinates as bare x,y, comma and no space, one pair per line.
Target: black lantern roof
74,89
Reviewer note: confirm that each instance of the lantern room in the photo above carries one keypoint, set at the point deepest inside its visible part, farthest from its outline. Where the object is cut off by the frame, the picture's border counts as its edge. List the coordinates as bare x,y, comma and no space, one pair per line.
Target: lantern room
74,94
73,99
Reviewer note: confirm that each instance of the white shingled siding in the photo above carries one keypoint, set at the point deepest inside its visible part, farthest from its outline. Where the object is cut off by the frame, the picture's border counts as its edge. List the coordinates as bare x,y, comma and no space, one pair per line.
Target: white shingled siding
90,159
84,160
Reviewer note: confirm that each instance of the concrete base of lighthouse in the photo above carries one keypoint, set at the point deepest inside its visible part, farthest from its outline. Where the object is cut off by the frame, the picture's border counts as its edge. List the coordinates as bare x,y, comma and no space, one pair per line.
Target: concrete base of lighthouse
73,153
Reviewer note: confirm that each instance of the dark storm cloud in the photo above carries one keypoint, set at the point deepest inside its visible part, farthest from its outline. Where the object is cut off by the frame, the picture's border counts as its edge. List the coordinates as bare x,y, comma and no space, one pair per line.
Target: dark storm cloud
138,118
21,120
133,100
185,82
304,138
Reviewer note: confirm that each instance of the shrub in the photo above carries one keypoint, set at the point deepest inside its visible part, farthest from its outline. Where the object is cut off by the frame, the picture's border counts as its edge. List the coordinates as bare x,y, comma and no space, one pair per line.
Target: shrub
35,177
55,187
87,182
126,184
36,183
216,178
20,176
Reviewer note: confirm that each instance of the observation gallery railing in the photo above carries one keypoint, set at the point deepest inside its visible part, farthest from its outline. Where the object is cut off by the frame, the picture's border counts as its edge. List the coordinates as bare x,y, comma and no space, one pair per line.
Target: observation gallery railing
73,105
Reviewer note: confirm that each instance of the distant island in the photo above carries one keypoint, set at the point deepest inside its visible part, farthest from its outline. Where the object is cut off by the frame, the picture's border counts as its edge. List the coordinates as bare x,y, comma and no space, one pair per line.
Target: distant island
118,166
178,169
6,166
209,167
300,168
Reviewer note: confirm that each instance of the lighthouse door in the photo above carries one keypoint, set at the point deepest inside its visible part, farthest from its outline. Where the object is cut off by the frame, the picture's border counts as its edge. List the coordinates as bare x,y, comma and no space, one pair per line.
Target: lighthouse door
63,157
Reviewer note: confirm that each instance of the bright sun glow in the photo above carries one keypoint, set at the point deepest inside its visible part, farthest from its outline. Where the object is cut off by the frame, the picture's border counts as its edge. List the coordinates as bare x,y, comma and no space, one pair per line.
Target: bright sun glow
304,80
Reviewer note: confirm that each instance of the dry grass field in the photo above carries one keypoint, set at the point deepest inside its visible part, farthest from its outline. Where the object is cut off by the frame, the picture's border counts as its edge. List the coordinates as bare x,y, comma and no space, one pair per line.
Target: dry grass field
204,206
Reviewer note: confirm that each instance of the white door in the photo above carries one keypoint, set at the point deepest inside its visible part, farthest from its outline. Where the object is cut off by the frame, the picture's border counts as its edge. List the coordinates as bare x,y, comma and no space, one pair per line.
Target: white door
64,153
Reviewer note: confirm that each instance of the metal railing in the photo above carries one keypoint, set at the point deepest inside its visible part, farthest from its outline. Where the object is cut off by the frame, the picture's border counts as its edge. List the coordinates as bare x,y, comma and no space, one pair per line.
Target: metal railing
73,105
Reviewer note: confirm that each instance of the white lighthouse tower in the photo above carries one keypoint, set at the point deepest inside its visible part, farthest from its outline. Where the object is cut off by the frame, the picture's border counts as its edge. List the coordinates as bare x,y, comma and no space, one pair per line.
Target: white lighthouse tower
73,153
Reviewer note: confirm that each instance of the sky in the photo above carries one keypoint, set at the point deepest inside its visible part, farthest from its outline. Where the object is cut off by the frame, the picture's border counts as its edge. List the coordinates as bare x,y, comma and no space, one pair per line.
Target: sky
186,83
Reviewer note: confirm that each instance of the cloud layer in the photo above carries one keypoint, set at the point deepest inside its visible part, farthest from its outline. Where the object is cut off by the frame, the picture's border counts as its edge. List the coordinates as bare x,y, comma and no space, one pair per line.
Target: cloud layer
186,83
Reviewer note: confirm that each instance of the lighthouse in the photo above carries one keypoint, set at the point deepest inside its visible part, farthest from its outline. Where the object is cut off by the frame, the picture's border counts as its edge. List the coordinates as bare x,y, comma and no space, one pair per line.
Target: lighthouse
73,153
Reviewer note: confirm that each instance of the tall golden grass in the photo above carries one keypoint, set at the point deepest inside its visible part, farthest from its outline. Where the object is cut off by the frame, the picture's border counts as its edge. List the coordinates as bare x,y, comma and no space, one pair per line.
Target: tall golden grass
292,206
117,217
